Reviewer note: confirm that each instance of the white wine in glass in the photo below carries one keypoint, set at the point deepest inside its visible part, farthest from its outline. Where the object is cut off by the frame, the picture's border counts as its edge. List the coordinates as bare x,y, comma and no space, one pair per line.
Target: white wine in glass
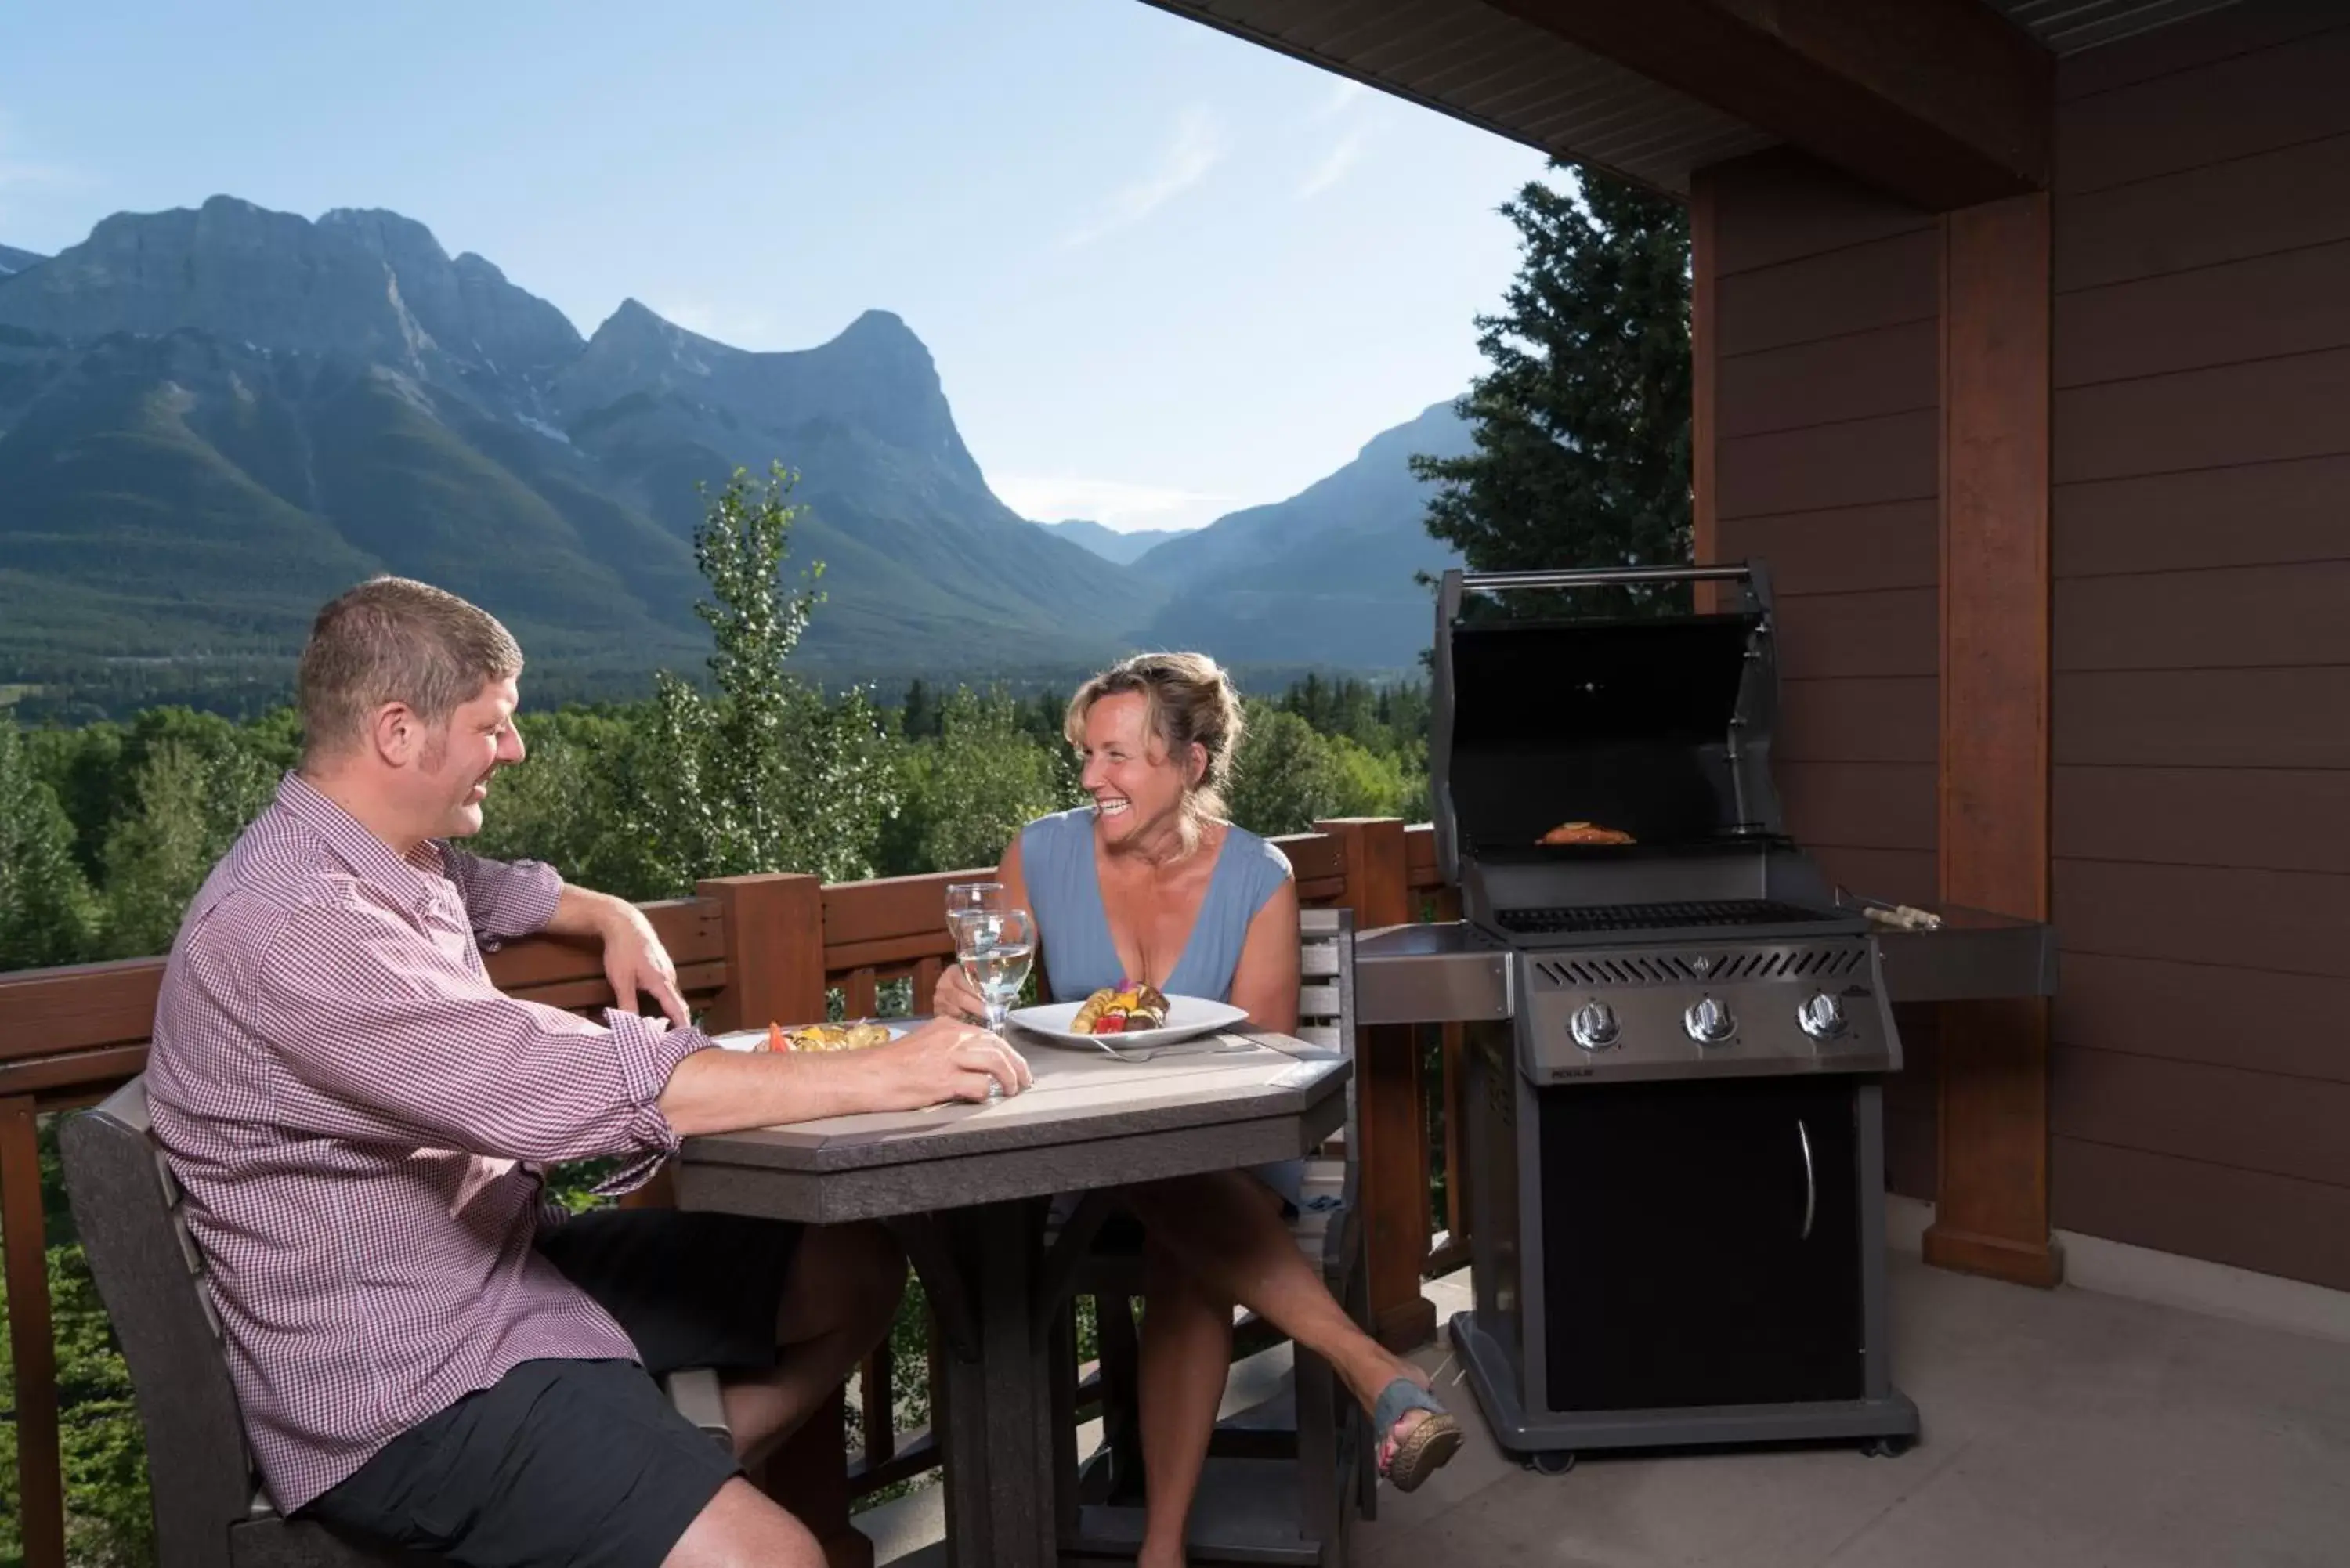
996,949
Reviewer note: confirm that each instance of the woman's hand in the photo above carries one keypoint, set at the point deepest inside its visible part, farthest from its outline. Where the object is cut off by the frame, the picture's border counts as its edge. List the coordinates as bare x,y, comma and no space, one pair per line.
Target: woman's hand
956,997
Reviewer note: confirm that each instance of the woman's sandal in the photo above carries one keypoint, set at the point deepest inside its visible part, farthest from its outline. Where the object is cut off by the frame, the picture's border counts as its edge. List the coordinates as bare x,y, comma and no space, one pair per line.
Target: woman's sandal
1411,1459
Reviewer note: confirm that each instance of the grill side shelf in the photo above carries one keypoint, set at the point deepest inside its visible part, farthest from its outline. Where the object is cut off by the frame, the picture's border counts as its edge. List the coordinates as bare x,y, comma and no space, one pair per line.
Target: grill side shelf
1974,956
1446,972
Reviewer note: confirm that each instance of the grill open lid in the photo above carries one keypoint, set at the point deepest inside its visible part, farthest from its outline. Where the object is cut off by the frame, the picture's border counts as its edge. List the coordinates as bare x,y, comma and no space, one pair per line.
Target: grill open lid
1657,726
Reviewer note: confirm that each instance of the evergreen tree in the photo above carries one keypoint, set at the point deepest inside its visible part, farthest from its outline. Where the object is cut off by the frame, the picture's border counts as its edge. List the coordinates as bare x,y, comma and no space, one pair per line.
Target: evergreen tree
1582,424
920,719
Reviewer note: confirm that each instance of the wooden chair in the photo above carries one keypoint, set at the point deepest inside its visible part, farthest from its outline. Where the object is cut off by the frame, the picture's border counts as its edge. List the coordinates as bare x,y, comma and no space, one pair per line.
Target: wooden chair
209,1509
1284,1480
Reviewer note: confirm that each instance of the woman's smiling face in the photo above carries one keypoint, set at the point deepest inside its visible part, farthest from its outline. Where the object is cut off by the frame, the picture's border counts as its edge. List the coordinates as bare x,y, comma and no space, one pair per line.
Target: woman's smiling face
1136,786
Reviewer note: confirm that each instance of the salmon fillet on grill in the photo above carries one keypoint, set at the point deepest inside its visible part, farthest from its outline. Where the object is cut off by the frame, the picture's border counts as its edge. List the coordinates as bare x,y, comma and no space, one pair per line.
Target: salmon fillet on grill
1583,833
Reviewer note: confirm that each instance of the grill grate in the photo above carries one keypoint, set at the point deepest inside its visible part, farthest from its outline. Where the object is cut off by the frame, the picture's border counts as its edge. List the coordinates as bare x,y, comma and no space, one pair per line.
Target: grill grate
1682,916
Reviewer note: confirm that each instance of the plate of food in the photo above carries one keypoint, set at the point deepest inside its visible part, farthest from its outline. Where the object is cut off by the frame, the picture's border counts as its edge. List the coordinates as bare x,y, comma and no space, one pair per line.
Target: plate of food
861,1035
1127,1017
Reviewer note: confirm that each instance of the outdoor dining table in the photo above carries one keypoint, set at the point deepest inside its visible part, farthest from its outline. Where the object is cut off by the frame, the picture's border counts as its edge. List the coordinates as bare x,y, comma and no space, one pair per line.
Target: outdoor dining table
968,1189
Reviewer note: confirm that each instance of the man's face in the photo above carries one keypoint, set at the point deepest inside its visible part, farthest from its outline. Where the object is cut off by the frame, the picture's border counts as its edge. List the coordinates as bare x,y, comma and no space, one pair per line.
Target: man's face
453,775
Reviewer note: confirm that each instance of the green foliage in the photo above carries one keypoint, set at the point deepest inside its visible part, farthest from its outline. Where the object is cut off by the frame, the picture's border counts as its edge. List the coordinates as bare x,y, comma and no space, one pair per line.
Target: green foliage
45,910
198,780
768,775
970,786
1582,424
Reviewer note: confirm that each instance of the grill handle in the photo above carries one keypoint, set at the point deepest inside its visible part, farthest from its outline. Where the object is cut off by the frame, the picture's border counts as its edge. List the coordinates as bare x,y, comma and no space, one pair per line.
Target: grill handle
1602,577
1811,1183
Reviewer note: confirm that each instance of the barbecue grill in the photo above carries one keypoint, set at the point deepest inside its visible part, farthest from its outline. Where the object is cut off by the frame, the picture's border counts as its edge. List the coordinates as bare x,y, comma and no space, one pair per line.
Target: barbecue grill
1676,1138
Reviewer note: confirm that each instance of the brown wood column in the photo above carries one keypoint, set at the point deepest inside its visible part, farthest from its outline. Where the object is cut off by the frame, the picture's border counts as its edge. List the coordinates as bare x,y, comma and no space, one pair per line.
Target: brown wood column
1991,1212
774,974
32,1342
1389,1116
1705,529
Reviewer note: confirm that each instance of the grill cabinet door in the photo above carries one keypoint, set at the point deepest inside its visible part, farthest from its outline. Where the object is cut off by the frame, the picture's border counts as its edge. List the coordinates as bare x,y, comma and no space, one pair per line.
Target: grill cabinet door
1676,1266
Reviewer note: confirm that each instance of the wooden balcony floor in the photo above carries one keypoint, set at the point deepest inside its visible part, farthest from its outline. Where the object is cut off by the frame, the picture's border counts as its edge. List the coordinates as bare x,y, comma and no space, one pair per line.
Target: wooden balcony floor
2061,1428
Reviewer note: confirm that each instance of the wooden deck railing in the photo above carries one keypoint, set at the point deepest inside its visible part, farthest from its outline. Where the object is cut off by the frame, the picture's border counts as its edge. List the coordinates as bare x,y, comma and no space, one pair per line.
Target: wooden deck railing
748,949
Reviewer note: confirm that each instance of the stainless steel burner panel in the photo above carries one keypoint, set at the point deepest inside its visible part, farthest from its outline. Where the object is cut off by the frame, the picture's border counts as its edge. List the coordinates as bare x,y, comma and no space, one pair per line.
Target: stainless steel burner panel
1704,1011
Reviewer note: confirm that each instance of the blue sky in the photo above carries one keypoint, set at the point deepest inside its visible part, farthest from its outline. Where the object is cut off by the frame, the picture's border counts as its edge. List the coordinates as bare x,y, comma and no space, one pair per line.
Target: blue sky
1164,273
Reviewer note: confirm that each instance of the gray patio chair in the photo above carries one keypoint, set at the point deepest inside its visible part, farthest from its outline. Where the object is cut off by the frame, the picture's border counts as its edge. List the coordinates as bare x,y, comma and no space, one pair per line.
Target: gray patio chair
1285,1479
210,1511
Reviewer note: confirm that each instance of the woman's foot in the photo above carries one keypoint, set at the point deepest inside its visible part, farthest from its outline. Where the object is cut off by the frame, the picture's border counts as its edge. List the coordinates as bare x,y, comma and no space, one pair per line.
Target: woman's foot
1416,1436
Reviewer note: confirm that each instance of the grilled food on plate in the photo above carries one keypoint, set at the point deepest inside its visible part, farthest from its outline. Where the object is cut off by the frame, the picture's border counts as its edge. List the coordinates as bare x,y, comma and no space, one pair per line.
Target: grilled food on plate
1583,833
1108,1012
827,1037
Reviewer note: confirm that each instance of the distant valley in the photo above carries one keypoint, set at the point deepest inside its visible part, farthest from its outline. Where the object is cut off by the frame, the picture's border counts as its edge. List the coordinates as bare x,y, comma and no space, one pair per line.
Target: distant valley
211,420
1109,544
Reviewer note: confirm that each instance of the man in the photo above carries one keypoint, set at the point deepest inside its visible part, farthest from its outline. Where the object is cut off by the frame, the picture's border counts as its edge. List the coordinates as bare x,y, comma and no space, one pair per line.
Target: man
425,1352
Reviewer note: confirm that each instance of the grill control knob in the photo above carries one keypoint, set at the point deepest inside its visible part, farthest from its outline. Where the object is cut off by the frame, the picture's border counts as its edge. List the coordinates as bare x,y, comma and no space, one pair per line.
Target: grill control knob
1822,1017
1594,1026
1708,1023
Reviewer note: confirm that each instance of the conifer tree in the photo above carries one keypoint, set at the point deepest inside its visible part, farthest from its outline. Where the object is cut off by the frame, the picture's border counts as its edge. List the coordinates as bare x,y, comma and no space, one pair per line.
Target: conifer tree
1582,423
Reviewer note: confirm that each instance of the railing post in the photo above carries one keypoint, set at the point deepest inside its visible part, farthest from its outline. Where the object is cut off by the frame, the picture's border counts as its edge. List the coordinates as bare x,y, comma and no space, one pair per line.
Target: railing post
775,949
41,1474
1388,1117
774,974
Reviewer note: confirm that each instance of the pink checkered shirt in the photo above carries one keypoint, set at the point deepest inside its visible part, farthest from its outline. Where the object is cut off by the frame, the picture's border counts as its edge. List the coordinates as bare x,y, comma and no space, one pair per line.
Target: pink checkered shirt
356,1114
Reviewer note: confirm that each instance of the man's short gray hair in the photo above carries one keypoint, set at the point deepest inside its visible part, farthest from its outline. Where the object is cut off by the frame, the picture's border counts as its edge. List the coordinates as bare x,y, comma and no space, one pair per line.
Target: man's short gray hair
391,640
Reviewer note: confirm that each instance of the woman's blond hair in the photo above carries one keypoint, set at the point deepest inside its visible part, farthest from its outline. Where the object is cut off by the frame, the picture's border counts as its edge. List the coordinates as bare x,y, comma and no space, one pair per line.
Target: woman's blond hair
1186,700
391,640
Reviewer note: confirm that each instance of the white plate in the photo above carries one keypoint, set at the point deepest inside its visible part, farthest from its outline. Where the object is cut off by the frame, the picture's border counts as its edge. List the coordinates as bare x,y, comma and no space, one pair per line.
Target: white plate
1185,1016
756,1038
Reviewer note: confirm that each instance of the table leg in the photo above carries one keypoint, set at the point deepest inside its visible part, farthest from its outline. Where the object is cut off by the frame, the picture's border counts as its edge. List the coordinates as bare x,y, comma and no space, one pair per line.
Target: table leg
999,1419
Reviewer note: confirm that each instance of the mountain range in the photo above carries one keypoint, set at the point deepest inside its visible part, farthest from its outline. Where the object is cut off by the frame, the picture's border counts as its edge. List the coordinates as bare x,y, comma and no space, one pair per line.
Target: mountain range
1109,544
211,420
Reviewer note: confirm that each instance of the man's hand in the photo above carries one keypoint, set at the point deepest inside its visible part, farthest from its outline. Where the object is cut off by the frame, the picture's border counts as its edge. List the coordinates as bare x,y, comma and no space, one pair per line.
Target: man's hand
946,1060
724,1091
634,959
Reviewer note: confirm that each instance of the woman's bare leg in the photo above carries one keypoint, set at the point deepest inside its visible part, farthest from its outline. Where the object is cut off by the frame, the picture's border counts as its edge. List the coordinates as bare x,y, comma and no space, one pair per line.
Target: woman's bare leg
1225,1230
1186,1353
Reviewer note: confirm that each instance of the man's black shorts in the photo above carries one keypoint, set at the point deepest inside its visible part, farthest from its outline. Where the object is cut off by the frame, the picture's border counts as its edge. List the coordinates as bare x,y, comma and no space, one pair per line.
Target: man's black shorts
586,1463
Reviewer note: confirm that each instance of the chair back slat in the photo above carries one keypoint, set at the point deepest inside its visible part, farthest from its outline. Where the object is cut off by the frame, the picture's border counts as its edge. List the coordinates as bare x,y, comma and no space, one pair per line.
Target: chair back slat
150,1276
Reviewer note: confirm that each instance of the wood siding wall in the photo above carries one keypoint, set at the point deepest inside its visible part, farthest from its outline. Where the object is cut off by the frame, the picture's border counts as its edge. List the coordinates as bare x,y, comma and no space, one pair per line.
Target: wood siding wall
1825,345
2202,540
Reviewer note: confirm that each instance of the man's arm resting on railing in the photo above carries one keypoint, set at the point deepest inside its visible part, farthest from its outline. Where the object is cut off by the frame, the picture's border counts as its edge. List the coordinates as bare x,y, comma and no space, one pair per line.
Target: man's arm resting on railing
634,958
509,898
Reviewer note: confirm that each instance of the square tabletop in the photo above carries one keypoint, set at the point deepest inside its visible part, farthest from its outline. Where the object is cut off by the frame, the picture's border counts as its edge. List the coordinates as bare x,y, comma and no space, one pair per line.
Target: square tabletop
1089,1120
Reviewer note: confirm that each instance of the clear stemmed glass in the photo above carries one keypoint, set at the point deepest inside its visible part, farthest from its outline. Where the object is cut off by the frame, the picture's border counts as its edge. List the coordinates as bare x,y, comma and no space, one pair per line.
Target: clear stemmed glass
972,898
996,949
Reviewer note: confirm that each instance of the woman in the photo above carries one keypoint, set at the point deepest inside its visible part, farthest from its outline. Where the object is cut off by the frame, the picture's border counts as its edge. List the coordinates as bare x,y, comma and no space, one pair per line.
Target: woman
1151,884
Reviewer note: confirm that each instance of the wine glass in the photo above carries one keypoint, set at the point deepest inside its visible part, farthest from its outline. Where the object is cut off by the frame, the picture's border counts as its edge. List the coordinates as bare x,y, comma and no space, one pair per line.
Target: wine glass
996,949
970,898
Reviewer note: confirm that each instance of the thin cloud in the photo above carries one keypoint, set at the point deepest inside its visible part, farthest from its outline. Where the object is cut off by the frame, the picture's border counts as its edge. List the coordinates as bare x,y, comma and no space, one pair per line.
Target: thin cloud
1112,502
1198,144
1335,165
1342,97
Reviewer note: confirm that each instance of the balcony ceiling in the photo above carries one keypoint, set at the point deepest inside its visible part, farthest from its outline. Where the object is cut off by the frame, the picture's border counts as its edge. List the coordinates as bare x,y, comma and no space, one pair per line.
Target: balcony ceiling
1515,67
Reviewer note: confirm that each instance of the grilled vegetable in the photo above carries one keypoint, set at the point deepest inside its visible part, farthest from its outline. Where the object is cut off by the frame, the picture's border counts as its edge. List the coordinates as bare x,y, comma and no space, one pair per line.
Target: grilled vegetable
1090,1013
